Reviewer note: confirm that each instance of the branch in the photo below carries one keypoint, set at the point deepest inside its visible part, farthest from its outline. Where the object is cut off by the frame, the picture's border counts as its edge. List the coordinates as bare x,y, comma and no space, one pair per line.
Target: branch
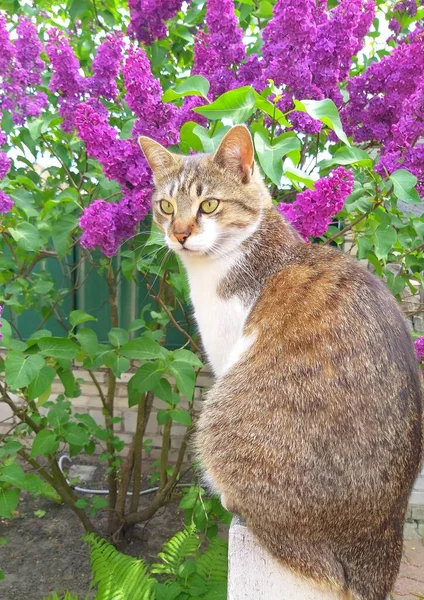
99,389
64,167
352,224
416,249
142,418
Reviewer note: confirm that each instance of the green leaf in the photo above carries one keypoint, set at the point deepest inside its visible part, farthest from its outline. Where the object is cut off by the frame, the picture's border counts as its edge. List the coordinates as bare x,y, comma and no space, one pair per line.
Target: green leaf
384,240
184,377
76,435
348,155
146,378
26,236
58,348
142,348
209,144
10,448
88,340
296,175
9,500
196,85
13,474
57,417
62,230
118,337
237,105
79,316
21,370
188,357
404,186
326,112
181,415
164,391
41,383
81,503
69,383
44,444
271,110
270,156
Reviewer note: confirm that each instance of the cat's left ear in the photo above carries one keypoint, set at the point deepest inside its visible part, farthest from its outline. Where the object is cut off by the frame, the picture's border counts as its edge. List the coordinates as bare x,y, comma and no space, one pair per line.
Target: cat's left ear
236,153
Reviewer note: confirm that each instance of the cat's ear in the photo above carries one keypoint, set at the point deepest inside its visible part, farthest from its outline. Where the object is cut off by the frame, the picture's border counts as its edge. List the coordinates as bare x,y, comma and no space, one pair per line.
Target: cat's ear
158,157
236,153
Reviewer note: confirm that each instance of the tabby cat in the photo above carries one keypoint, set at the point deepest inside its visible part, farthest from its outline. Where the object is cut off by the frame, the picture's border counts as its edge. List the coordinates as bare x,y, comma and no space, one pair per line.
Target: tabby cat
313,429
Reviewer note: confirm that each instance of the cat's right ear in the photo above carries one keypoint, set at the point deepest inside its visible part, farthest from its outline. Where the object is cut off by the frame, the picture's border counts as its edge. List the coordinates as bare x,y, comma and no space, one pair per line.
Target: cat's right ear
158,157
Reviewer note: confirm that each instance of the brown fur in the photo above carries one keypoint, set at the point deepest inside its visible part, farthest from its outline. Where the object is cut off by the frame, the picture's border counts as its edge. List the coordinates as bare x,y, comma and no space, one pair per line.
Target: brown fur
314,436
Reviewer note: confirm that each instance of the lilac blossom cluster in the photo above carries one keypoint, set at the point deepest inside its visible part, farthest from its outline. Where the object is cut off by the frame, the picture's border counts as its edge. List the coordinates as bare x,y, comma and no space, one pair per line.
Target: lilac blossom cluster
148,16
385,108
419,349
106,224
20,71
68,81
308,49
313,210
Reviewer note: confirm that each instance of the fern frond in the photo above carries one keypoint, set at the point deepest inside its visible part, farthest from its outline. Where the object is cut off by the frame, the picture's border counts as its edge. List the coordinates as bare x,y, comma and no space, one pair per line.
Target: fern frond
116,575
212,565
67,596
181,546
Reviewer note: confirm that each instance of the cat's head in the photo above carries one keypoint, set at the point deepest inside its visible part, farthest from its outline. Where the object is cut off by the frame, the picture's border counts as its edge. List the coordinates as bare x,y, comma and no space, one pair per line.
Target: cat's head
207,204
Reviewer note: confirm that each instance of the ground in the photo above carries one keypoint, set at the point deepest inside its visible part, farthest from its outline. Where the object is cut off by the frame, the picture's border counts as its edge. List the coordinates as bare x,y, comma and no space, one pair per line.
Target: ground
46,553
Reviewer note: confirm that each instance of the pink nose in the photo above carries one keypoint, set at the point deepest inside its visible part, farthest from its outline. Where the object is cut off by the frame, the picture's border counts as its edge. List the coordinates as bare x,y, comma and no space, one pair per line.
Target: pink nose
182,236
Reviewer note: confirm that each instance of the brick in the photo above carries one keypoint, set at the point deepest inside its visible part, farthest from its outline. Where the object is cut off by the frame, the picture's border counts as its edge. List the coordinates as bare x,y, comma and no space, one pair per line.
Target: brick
410,531
130,421
98,416
420,529
417,512
89,389
5,412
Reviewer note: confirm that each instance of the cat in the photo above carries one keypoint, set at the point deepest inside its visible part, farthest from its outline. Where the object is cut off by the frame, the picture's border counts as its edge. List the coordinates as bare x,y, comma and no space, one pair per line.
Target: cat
312,431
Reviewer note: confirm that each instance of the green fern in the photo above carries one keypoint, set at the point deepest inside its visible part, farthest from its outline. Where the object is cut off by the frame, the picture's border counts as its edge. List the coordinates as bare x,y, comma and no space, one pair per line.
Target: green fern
116,575
212,565
182,545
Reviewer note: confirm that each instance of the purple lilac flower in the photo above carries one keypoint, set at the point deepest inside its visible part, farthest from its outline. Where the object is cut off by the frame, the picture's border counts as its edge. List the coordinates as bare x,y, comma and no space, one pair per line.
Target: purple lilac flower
308,49
408,7
4,165
143,96
106,66
218,52
66,79
148,16
6,202
186,112
312,211
20,70
107,224
419,349
3,138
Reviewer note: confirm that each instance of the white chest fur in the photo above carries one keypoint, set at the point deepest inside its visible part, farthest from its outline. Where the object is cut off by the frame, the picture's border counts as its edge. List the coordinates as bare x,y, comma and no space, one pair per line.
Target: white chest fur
220,321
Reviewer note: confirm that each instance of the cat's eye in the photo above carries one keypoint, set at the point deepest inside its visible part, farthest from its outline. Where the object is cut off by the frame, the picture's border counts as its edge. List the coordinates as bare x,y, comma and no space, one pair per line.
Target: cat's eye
209,206
166,207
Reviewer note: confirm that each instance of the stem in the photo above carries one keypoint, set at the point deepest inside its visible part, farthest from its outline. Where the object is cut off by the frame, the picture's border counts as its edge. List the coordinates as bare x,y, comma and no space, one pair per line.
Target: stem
352,224
161,496
416,249
166,439
143,414
99,389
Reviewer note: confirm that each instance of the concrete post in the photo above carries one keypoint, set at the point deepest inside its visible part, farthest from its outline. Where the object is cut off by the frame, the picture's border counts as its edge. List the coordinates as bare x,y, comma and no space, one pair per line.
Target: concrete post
256,575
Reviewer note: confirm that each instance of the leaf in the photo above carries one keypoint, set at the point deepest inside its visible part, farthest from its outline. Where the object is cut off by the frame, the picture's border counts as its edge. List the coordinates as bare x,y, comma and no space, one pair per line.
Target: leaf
79,316
58,348
326,112
404,186
44,444
188,357
118,337
271,110
164,391
26,236
69,383
270,156
142,348
21,370
196,85
384,240
57,417
237,105
209,144
181,415
146,378
10,448
62,230
295,174
13,474
185,378
348,155
9,500
41,383
88,340
76,435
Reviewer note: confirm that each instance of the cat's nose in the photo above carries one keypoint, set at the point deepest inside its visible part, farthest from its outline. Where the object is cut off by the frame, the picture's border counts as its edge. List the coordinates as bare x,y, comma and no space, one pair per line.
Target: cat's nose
182,236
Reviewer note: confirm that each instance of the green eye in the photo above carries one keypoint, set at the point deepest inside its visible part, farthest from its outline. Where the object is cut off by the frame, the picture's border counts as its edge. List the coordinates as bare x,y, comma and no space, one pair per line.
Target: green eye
166,207
209,206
